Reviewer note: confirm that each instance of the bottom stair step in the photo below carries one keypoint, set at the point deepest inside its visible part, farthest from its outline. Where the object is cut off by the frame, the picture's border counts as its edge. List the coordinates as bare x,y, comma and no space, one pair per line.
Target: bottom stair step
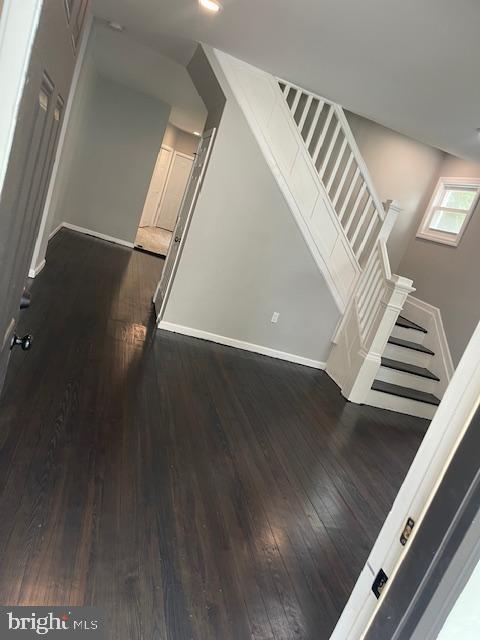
405,392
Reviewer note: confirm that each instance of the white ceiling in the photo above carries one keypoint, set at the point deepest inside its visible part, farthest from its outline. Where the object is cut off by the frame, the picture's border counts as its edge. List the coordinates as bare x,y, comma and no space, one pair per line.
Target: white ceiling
412,65
127,61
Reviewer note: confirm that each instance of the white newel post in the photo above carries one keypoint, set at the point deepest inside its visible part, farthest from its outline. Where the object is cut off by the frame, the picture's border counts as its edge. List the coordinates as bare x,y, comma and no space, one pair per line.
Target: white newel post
368,322
396,290
392,209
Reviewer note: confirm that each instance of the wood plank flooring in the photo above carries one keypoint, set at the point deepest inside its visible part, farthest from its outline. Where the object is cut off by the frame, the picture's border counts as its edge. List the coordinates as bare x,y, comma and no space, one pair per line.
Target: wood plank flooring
188,489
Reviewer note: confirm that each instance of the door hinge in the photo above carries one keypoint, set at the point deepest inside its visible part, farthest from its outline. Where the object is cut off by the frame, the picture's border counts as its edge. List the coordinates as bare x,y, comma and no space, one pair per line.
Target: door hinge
407,532
379,583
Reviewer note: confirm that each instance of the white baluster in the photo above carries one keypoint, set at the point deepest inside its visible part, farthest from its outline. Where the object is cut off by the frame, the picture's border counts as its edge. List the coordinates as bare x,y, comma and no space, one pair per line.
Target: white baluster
331,146
313,126
305,113
341,184
321,138
354,210
296,100
361,222
368,232
349,194
337,164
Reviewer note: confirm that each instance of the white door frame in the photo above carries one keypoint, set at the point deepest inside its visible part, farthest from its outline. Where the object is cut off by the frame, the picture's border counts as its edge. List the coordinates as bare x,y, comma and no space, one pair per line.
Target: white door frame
161,312
38,257
448,427
167,180
18,26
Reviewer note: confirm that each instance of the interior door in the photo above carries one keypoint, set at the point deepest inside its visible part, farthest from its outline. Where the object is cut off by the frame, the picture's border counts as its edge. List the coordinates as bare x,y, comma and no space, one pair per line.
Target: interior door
174,189
32,154
186,210
157,186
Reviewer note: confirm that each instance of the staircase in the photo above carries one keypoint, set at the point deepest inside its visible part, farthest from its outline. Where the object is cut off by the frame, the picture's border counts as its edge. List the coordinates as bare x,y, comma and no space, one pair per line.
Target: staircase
404,381
378,356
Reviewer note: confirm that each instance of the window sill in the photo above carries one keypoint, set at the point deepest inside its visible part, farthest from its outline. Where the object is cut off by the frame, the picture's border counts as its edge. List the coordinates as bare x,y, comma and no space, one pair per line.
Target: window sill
451,240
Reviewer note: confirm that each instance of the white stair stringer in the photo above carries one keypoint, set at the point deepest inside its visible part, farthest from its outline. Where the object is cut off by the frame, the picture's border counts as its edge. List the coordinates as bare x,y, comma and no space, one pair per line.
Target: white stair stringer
267,113
410,368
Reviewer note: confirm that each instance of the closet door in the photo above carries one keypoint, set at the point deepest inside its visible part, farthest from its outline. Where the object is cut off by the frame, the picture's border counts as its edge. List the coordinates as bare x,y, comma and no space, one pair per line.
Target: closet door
31,159
174,190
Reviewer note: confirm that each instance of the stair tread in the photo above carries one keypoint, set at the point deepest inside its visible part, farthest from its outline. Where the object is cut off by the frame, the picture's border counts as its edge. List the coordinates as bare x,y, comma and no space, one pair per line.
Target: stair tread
408,324
406,367
405,392
410,345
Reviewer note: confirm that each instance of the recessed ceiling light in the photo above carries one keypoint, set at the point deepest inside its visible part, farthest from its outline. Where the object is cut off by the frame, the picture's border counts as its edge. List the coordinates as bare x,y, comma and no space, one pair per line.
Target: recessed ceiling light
196,133
116,26
210,5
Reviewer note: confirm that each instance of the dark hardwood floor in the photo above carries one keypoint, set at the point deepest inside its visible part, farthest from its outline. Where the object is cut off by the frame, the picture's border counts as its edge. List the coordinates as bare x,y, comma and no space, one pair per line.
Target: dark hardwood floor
188,489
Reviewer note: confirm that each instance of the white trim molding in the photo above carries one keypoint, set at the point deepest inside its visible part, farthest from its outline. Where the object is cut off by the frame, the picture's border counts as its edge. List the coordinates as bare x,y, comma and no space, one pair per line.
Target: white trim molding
33,273
96,234
18,26
240,344
55,231
40,244
430,317
425,232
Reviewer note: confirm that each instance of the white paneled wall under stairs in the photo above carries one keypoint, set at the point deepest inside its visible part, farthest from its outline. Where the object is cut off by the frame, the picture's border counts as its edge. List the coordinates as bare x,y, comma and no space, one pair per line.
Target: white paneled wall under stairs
308,144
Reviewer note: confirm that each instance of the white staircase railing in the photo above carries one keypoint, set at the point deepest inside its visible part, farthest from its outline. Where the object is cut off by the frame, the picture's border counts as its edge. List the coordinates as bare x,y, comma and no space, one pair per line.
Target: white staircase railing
332,148
365,328
309,146
378,296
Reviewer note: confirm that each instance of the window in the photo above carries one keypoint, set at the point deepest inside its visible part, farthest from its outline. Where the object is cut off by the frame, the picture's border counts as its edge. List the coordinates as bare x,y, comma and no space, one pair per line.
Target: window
453,202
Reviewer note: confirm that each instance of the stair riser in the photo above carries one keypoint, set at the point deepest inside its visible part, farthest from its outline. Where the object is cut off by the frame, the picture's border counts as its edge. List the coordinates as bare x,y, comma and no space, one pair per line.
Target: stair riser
400,405
412,335
402,354
403,379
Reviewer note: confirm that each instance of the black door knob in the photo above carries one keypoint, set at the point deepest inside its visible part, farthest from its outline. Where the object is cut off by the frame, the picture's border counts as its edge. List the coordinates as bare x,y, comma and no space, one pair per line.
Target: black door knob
25,342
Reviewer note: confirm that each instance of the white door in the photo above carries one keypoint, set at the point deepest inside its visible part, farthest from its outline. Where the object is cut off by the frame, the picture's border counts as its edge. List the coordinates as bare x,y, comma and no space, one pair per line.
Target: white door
174,190
157,186
186,209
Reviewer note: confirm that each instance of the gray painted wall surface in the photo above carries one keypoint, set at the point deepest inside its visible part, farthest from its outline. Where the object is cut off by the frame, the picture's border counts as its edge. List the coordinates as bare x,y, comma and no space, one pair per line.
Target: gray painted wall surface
245,258
119,135
402,169
208,87
448,277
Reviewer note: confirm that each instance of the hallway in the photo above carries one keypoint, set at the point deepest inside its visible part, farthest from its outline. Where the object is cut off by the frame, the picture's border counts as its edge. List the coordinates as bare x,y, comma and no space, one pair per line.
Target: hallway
188,489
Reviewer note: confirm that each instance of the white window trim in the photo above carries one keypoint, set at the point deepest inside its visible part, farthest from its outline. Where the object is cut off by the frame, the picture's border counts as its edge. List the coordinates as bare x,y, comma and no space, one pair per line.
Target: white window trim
444,237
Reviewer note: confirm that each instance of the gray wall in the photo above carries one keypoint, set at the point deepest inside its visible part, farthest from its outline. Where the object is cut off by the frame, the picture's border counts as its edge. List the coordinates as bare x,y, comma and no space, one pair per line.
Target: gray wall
118,138
245,258
448,277
402,169
208,87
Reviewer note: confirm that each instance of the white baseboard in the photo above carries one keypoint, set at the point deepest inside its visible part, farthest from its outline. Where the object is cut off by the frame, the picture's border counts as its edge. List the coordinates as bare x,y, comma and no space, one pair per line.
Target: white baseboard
96,234
33,273
240,344
55,231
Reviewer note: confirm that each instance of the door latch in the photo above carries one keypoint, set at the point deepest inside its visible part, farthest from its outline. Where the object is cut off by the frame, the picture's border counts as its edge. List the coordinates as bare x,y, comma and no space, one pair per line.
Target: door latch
407,532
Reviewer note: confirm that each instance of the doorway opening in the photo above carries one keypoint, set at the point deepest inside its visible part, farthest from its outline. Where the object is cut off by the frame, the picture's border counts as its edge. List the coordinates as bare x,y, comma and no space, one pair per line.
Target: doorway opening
166,191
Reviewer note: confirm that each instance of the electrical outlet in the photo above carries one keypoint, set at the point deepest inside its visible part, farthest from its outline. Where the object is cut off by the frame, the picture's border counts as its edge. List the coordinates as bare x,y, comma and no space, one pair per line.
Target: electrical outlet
275,317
